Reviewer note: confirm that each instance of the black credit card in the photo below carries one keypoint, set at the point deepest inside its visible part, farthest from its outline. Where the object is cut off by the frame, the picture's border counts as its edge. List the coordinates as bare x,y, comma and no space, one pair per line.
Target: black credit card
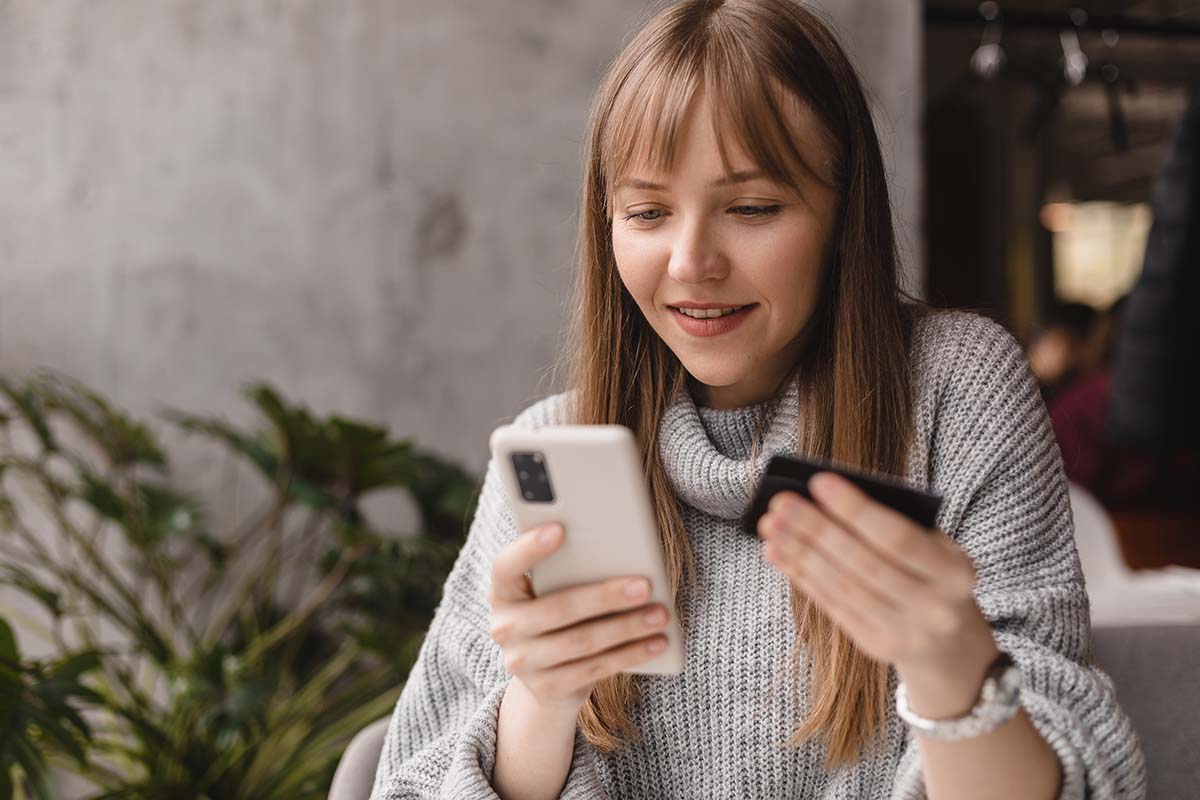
791,473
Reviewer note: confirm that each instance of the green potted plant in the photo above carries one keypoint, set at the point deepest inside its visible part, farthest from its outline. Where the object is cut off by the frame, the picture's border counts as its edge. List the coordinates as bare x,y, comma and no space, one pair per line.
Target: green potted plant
210,664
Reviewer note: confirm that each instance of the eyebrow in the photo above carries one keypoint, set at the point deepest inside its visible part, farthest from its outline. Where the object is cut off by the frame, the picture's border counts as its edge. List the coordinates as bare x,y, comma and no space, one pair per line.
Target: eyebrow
728,180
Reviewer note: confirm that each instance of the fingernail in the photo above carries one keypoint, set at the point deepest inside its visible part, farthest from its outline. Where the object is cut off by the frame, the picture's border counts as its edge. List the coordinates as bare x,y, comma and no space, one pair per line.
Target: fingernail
829,483
655,617
549,534
769,525
657,646
637,587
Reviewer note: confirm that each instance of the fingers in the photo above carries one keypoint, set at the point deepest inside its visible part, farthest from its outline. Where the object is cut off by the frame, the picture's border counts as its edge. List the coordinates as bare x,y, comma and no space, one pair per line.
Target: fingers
890,532
589,638
850,600
517,558
798,519
566,679
566,607
562,642
569,606
845,601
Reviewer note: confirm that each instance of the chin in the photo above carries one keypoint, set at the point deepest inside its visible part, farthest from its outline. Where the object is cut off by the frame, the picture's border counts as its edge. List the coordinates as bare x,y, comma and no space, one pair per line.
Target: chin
714,378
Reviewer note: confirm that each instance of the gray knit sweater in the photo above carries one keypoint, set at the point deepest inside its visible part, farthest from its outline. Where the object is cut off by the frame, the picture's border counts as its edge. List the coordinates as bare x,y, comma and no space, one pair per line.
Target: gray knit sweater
718,729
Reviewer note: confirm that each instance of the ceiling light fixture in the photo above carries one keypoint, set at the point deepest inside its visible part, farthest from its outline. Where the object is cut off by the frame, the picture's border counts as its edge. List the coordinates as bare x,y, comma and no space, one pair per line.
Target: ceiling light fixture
989,58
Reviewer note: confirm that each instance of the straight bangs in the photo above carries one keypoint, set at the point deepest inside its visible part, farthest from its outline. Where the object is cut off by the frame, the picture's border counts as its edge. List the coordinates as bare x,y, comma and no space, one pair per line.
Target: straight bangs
747,103
647,113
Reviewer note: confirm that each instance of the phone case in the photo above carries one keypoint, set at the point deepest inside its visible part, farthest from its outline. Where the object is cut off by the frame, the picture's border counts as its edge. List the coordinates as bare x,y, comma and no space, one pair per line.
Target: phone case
601,498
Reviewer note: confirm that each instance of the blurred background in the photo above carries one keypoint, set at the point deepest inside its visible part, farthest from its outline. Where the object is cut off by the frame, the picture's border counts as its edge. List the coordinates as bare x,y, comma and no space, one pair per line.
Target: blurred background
1039,183
1058,166
270,272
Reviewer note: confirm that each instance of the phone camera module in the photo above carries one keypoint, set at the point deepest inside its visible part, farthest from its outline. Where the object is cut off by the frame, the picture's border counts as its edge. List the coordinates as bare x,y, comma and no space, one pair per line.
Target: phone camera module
532,477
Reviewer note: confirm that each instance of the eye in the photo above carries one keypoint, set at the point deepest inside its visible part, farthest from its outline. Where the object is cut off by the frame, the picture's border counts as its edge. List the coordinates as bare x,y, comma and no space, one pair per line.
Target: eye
756,211
640,216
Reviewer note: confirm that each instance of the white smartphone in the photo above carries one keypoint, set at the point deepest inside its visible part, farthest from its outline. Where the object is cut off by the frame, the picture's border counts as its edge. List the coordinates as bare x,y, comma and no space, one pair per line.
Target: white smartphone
588,478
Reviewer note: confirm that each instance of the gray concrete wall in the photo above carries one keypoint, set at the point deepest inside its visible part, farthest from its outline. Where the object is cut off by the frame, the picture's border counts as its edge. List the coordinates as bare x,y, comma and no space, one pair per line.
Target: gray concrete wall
368,203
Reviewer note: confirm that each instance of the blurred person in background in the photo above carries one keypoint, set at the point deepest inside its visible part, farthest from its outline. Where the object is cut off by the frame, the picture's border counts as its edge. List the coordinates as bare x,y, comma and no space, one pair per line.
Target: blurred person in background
1062,348
1120,475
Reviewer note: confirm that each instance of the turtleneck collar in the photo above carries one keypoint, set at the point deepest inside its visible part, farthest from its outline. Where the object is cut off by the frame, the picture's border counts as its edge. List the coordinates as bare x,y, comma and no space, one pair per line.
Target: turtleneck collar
705,451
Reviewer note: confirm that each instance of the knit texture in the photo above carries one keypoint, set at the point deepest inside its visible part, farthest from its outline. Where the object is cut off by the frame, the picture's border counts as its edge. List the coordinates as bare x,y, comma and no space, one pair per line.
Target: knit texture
981,439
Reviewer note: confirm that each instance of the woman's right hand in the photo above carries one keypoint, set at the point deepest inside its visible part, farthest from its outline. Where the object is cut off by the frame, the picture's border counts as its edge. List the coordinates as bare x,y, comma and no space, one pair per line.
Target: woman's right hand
558,645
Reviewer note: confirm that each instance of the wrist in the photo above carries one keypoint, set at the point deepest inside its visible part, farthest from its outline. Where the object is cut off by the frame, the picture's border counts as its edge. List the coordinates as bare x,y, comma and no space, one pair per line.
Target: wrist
947,691
554,715
534,745
998,703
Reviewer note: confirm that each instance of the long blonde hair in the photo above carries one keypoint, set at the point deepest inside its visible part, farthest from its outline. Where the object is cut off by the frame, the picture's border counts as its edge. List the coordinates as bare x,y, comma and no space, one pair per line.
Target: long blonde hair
748,57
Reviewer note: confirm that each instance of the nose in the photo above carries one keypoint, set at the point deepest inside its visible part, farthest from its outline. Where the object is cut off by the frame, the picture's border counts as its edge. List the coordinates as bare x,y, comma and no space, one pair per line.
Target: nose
695,255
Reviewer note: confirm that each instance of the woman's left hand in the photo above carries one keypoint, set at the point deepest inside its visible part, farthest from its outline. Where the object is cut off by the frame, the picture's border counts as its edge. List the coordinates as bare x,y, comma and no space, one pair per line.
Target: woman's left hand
901,592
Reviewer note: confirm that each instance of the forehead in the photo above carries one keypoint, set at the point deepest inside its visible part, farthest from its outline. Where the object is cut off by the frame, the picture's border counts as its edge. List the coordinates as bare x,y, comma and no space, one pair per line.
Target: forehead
778,135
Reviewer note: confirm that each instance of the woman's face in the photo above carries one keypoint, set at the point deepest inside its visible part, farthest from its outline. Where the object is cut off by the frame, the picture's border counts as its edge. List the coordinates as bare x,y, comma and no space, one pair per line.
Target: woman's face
699,236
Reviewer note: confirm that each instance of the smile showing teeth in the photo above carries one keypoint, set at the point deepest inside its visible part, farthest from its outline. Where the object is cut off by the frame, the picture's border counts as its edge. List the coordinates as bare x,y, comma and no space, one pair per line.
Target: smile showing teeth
708,313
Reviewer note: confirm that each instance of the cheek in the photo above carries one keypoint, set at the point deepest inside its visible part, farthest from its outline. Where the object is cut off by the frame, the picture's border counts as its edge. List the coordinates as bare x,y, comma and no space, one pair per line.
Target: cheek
789,270
637,266
805,284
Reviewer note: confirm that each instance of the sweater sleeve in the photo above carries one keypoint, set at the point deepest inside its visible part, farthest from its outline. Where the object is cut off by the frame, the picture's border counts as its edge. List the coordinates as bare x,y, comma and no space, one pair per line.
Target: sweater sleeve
441,741
999,469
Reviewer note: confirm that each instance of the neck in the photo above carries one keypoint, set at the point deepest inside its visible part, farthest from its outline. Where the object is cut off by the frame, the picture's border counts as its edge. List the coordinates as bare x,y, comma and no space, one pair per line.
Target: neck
724,398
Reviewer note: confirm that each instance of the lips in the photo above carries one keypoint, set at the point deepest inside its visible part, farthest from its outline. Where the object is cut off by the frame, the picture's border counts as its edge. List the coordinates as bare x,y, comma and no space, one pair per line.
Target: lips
707,306
706,313
714,326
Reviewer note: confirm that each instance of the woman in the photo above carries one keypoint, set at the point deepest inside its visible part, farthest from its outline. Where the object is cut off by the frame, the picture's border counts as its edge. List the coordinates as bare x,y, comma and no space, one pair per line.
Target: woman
732,162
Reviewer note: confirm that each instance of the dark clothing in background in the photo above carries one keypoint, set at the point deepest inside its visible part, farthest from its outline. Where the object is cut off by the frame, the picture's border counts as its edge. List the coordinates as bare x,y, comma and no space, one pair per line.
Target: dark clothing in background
1122,477
1156,383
